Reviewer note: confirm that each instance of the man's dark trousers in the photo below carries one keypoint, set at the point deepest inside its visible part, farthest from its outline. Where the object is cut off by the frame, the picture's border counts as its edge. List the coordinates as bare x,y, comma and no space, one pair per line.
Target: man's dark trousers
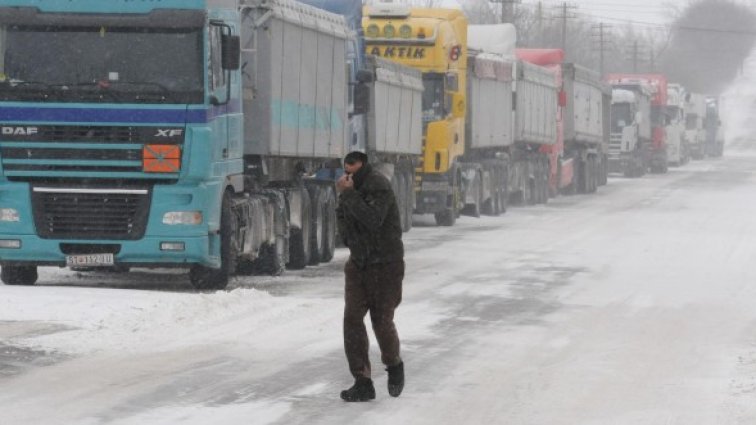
377,289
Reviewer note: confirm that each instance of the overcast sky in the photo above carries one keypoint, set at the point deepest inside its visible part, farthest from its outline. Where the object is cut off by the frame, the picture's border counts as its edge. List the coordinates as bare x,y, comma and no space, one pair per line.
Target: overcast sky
653,12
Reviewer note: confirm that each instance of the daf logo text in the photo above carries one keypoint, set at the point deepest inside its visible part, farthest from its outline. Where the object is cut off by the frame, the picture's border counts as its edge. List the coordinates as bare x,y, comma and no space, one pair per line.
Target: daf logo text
19,131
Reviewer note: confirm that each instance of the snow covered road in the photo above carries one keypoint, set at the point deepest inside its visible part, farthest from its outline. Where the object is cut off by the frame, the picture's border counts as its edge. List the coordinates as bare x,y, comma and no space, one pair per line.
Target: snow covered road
633,306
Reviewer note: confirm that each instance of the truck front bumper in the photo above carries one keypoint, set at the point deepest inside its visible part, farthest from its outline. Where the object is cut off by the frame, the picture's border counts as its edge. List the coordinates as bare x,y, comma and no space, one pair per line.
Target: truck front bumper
162,245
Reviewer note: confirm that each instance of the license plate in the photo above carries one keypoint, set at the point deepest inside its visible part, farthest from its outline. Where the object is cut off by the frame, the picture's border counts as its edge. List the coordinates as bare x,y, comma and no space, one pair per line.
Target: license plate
91,260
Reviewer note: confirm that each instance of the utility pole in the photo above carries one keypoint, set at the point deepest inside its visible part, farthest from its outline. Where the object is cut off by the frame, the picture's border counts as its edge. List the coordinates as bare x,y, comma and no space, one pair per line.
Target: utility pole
565,8
635,57
540,23
603,42
507,10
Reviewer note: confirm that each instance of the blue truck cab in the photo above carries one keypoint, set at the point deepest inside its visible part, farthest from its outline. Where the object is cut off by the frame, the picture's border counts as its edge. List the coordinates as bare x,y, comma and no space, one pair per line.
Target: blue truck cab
120,135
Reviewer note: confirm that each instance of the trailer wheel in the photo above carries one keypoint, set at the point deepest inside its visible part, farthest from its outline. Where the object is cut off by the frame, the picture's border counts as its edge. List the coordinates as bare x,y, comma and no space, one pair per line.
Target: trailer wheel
329,230
19,275
446,218
299,239
409,199
502,194
205,278
317,223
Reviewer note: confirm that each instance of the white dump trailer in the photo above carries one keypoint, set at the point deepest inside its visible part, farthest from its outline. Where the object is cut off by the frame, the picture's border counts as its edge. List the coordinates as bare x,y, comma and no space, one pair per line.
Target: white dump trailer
394,126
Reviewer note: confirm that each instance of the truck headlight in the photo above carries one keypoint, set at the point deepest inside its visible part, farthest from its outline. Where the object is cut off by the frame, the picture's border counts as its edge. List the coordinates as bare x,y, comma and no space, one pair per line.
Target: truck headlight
9,214
182,217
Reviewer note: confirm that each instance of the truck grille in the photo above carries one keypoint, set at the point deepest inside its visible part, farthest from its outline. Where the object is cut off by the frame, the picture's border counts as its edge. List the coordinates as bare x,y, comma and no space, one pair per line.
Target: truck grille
115,214
615,146
91,152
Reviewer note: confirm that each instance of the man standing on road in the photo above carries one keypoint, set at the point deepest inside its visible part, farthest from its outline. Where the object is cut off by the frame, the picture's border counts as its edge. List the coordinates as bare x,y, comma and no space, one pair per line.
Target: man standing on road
368,219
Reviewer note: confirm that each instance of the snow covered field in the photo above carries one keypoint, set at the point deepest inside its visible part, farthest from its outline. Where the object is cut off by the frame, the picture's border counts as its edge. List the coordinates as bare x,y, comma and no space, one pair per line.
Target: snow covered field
633,306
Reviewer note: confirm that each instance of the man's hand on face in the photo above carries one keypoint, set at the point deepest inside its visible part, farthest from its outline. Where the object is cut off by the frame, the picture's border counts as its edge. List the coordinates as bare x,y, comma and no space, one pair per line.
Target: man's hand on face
344,183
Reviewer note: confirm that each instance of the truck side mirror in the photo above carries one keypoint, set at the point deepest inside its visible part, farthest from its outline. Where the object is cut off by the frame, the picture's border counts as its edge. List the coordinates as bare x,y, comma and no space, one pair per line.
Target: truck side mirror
365,76
361,99
230,52
458,106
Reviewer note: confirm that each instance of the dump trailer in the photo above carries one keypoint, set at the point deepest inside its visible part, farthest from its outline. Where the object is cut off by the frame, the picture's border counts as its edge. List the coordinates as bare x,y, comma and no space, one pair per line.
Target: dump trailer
714,129
656,153
630,138
390,129
523,108
585,103
678,151
203,160
695,115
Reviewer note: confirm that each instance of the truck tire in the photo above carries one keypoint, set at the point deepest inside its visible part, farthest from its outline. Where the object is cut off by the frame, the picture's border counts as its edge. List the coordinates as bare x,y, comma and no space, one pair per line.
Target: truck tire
19,275
205,278
317,223
409,199
401,199
329,232
299,239
502,194
446,218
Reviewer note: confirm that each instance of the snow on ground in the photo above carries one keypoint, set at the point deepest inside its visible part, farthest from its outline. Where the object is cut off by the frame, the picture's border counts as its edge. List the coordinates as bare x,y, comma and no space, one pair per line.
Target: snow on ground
632,306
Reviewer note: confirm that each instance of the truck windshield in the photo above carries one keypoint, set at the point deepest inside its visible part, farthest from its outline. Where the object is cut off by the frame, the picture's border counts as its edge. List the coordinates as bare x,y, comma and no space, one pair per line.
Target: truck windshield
114,65
622,116
434,97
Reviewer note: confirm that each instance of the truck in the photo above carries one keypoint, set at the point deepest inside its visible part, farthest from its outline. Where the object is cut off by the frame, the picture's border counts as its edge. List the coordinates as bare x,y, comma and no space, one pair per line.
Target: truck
389,131
714,129
585,104
655,155
469,164
695,116
678,150
630,129
187,134
511,116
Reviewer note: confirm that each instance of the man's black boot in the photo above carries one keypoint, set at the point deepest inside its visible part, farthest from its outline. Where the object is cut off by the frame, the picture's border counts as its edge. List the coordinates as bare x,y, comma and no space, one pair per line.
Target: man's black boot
362,390
395,379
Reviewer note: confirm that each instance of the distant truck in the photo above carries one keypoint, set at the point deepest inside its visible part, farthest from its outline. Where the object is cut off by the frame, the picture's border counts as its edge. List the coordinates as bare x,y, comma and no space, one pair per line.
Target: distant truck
583,142
678,150
714,128
695,116
630,129
477,153
655,155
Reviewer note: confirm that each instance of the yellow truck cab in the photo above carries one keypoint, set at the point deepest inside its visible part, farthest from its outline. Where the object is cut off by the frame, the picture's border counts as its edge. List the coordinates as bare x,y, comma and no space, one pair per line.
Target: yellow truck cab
433,41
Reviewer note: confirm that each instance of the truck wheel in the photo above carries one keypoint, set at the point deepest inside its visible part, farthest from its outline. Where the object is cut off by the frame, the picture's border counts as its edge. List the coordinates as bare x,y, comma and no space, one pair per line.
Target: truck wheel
329,231
502,194
446,218
401,199
299,239
205,278
409,200
317,223
19,275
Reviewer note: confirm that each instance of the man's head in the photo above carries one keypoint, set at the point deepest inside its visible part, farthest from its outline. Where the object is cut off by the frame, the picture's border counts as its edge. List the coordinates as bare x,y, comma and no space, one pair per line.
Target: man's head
354,161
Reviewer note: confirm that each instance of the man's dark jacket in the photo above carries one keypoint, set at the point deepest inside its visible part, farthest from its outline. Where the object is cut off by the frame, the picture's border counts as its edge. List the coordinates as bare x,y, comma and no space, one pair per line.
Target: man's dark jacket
368,219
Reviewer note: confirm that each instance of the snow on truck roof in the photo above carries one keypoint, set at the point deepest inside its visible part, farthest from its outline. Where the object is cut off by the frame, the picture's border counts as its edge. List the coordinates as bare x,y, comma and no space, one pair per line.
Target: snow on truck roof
497,39
623,96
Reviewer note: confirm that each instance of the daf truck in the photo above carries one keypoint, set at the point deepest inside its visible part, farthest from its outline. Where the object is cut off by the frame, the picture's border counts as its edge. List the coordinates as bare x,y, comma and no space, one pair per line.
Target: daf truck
179,133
